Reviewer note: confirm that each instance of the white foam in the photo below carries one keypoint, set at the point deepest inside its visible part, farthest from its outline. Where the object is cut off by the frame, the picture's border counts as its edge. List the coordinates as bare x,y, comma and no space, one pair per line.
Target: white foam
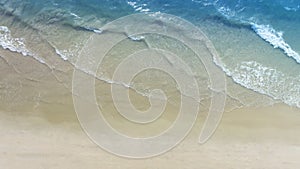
132,3
268,81
11,43
75,15
136,38
266,32
16,44
265,80
97,31
62,54
138,7
204,2
227,12
258,77
275,38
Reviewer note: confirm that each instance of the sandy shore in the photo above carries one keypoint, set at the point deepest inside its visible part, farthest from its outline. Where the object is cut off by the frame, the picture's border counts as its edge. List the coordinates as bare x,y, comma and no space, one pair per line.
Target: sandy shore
39,130
266,138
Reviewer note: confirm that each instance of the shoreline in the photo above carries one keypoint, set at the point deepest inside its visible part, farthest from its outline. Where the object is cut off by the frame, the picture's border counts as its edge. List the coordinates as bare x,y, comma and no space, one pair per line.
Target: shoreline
39,127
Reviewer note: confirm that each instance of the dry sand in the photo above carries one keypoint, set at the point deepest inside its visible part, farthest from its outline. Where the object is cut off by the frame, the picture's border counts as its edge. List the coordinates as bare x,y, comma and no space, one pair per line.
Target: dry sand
267,138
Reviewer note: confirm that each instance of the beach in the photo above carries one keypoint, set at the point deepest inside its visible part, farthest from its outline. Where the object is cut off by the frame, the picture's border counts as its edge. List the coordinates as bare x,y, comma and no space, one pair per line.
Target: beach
46,133
182,62
246,138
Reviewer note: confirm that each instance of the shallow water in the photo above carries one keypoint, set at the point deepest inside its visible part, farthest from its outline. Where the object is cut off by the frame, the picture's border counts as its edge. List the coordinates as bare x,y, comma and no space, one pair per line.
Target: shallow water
258,48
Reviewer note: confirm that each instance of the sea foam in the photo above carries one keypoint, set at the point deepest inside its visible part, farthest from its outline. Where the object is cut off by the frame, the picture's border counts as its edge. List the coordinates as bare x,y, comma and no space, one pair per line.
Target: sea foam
15,44
11,43
268,81
266,32
62,54
275,38
138,7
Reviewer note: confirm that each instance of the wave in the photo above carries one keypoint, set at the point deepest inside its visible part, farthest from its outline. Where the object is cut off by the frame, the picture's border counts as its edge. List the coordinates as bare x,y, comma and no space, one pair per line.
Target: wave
268,81
46,24
11,43
265,80
252,75
255,76
8,42
267,33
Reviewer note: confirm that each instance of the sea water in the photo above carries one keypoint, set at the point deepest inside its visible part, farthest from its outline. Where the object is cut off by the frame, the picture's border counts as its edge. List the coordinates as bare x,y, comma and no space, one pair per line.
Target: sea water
258,41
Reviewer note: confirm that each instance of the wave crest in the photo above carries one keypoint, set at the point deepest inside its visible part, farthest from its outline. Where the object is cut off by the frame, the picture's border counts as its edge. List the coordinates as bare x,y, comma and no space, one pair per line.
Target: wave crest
275,38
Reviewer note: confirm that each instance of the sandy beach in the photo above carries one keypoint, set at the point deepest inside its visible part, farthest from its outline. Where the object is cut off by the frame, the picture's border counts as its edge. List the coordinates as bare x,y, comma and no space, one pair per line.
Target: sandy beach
246,138
39,128
42,131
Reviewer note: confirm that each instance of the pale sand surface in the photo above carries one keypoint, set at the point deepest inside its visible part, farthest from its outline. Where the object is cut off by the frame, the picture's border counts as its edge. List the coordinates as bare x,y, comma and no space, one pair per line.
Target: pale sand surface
39,129
260,138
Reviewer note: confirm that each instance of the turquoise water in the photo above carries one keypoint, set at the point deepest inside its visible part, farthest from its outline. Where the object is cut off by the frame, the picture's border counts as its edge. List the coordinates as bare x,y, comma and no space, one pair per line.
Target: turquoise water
258,40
